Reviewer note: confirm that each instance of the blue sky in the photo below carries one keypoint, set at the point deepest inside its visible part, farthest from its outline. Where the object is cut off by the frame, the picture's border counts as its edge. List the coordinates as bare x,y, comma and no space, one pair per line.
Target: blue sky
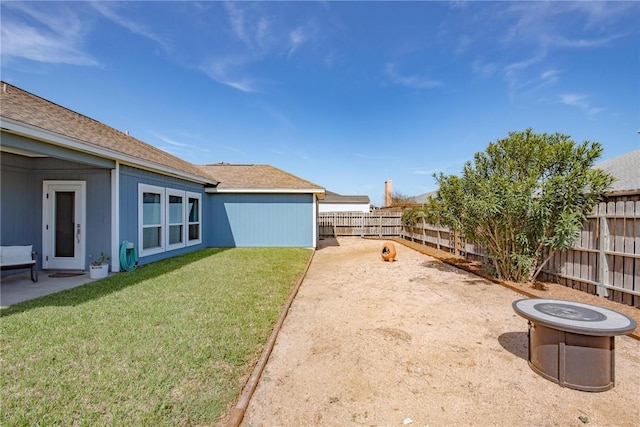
344,94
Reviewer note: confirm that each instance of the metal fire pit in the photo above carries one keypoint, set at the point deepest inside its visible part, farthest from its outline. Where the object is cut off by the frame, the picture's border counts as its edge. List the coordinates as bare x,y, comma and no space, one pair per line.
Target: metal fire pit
572,344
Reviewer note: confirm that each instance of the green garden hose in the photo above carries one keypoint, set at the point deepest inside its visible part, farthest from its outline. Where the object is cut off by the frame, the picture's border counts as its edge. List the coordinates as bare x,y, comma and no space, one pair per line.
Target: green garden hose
128,256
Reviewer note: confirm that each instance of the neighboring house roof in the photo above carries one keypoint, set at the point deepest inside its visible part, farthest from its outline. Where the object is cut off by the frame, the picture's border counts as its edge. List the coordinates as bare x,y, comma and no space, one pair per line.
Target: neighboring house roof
422,198
256,178
626,170
29,115
331,197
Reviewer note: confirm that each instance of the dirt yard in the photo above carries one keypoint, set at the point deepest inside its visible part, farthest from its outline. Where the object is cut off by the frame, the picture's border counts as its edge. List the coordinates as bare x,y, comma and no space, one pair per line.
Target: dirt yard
418,342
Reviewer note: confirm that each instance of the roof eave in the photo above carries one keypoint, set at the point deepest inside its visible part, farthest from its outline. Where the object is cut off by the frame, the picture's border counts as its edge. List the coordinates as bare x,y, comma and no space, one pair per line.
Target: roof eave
40,134
266,190
341,202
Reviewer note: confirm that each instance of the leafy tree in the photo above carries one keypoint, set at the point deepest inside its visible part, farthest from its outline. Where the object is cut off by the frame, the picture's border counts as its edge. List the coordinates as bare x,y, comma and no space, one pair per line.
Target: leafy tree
399,199
525,196
411,216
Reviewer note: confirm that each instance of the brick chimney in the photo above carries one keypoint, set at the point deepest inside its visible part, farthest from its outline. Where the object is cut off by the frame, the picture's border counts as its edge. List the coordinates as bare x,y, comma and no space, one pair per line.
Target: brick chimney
388,191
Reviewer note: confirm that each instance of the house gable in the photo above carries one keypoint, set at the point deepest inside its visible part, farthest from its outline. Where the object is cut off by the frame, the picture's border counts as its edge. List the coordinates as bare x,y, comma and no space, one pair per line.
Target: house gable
127,180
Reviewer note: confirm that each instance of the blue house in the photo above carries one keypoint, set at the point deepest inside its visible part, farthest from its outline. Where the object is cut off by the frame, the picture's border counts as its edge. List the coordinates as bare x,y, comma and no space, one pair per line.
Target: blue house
74,187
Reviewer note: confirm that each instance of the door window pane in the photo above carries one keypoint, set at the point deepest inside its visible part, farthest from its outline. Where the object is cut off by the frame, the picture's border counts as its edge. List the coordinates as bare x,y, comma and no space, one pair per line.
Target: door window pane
64,223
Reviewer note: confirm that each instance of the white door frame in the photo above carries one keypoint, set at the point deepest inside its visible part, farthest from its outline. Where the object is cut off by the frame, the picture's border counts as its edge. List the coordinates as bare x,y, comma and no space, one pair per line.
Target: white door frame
49,261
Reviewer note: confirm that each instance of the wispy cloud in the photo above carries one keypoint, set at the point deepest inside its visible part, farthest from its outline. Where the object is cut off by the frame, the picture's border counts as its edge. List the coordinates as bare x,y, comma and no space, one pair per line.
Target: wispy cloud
531,84
278,152
57,38
513,68
411,81
258,35
580,101
237,21
457,165
370,157
55,32
234,149
254,33
262,34
423,171
277,115
484,69
525,77
552,25
190,152
559,41
463,44
171,141
111,11
227,71
304,156
297,37
550,29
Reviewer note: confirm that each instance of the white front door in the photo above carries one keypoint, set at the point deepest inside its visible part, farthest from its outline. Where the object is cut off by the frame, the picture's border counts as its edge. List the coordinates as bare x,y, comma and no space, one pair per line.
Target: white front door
63,217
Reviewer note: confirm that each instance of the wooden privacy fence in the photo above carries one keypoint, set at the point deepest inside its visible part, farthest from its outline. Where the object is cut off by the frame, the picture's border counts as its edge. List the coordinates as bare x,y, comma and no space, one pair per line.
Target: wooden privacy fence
374,224
605,260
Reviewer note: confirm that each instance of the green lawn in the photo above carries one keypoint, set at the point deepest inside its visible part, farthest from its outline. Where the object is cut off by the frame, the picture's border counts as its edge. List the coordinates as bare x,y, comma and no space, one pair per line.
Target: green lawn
169,344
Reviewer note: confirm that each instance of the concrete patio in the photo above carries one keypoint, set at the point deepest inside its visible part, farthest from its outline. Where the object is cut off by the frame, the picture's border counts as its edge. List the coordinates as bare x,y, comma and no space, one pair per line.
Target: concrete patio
16,288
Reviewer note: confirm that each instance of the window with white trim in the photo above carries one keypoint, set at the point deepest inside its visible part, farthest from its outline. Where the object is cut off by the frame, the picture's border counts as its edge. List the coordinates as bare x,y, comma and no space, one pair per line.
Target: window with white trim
151,219
194,213
175,219
168,219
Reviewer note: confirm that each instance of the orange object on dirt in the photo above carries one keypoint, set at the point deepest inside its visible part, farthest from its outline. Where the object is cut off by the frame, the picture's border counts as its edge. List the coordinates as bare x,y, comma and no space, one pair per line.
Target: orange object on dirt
388,252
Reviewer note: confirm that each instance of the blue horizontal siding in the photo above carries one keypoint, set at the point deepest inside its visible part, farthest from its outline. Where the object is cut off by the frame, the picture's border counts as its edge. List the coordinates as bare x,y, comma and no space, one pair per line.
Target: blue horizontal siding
21,200
130,177
260,220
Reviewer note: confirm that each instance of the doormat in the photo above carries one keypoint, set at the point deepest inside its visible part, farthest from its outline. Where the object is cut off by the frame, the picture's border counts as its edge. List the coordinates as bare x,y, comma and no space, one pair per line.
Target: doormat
60,274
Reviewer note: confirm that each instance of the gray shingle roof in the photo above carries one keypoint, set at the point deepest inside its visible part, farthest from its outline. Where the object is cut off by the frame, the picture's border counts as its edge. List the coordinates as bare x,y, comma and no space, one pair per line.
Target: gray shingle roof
626,170
331,197
422,198
256,177
26,108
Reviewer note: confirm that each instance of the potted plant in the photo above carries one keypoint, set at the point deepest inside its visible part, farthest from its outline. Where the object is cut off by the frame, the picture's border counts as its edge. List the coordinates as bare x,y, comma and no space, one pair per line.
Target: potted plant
99,268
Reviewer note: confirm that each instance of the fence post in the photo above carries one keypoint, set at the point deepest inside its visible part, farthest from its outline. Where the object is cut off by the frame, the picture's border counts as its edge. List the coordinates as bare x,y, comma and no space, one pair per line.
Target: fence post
456,244
380,224
603,265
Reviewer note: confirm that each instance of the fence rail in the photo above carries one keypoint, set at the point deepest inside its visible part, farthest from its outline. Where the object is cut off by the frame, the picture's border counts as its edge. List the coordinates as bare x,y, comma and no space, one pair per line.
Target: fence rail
605,260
